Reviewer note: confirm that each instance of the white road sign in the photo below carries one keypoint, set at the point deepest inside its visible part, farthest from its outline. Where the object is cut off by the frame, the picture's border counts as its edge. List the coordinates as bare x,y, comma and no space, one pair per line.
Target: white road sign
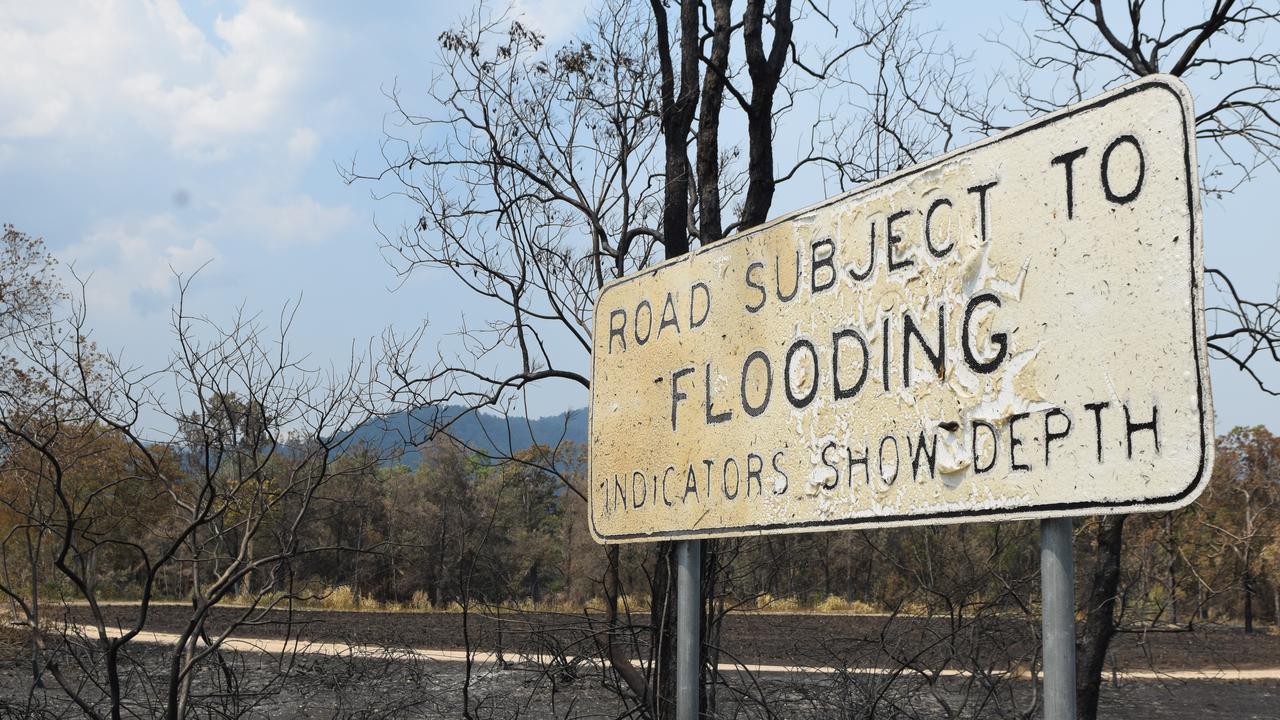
1011,330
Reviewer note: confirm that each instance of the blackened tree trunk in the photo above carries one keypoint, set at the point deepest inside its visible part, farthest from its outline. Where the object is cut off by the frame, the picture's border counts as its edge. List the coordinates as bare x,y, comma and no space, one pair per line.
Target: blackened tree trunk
616,653
679,102
662,619
679,97
717,556
1248,601
710,229
710,225
765,71
1275,602
33,556
1100,619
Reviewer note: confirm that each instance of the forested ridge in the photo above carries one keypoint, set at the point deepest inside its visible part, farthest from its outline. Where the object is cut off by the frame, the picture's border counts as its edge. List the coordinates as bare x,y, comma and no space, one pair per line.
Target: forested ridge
397,434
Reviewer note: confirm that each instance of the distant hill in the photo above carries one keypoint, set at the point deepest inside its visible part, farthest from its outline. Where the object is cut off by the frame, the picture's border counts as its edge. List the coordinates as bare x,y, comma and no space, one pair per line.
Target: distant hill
484,431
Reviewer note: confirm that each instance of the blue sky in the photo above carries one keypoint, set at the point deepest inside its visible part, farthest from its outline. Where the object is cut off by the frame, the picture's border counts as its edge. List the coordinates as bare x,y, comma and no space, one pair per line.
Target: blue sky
144,136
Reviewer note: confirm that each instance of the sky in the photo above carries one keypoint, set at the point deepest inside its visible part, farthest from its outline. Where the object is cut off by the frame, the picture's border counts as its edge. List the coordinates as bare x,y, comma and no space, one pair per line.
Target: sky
145,138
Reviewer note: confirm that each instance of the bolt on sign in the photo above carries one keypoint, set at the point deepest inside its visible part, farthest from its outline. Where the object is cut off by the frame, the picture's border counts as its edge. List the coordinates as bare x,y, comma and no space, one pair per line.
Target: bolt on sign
1012,330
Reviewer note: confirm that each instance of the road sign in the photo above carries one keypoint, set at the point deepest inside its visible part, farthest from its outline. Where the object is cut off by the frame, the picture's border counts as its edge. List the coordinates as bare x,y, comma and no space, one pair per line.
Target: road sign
1012,330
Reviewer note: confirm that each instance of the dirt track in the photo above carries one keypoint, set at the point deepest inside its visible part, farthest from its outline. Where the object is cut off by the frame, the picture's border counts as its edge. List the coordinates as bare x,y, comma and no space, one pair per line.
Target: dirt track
756,638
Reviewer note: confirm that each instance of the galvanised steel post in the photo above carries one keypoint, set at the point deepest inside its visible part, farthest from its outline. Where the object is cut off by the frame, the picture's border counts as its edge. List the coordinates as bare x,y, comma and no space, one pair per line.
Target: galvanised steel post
1058,618
688,627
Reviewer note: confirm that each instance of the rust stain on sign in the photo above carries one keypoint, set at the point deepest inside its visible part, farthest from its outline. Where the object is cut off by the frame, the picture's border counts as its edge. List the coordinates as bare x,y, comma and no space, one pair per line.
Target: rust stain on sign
1012,330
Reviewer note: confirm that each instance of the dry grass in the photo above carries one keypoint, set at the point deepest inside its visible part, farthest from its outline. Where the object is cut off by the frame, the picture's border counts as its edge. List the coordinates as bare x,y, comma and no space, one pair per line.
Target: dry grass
344,599
830,605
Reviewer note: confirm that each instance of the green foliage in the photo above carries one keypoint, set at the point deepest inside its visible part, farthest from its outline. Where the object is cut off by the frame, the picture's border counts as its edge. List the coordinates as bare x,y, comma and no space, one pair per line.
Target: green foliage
455,526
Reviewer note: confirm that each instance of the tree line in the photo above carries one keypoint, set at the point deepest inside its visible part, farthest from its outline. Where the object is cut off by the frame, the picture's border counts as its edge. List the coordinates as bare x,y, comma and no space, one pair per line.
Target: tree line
459,528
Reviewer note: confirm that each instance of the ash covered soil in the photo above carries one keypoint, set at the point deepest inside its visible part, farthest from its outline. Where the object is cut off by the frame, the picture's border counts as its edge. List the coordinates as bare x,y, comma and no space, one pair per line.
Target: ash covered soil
395,685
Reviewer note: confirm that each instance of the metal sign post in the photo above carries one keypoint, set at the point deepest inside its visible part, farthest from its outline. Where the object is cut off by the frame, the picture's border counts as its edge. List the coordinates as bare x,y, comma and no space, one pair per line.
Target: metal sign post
1058,619
688,627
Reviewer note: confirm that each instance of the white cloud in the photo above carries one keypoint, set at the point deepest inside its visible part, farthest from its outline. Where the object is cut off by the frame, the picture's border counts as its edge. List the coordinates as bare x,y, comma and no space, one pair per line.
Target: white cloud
302,144
95,68
288,222
245,89
227,114
49,54
131,264
130,267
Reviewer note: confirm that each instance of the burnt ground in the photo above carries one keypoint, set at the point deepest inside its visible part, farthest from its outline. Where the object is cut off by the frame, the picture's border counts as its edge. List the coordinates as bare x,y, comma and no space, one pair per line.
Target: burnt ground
775,638
392,685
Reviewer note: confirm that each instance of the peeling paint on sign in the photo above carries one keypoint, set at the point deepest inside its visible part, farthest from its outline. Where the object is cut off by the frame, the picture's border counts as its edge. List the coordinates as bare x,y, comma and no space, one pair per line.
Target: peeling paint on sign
1013,330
